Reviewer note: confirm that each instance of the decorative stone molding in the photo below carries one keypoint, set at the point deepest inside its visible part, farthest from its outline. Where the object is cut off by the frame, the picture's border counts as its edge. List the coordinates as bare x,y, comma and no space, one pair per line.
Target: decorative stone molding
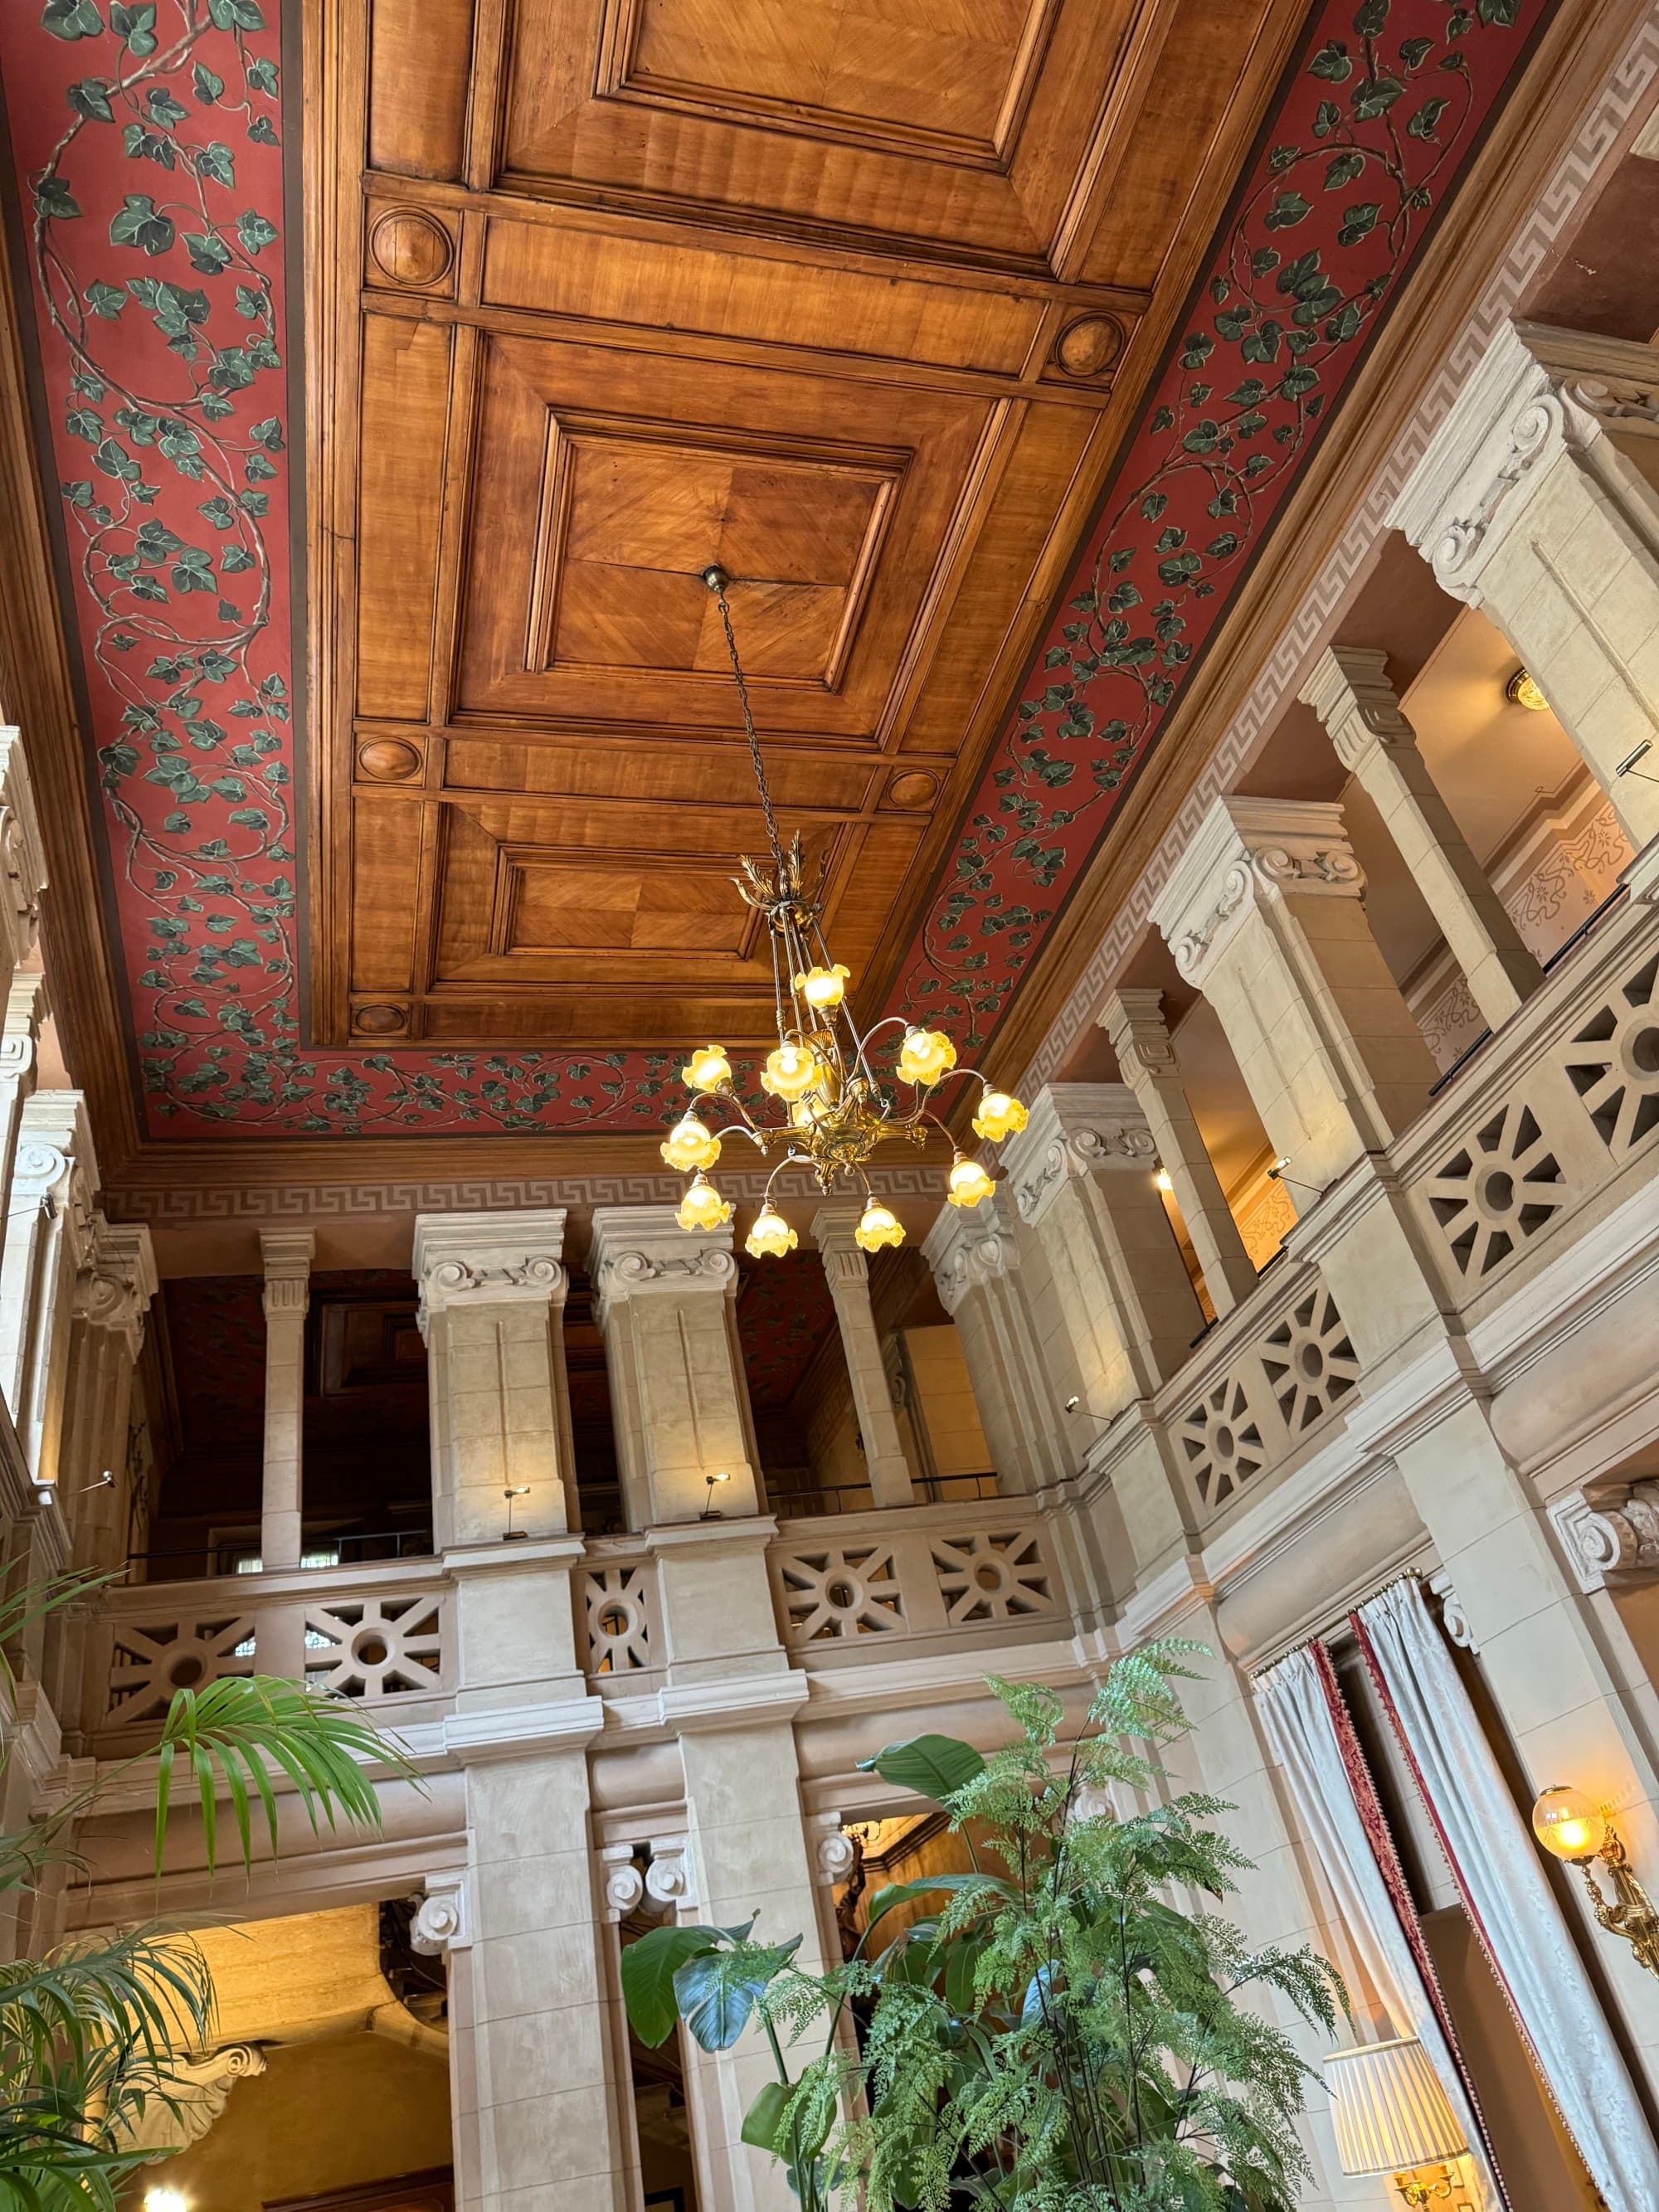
22,856
1535,394
287,1254
480,1258
1350,693
834,1854
197,2091
969,1247
1076,1129
443,1919
115,1292
668,1876
622,1881
25,1011
1453,1617
1092,1803
1609,1539
642,1251
1249,852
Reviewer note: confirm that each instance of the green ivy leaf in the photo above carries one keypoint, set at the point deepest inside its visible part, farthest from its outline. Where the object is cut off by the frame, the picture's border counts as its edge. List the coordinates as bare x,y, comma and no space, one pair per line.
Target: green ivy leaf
217,161
262,77
136,26
255,232
71,19
268,433
1327,117
1344,168
207,85
208,252
1332,63
114,460
263,132
164,110
1358,222
90,98
1501,12
219,511
235,16
1372,17
1289,207
1422,123
53,199
1415,51
82,422
1374,96
138,224
105,300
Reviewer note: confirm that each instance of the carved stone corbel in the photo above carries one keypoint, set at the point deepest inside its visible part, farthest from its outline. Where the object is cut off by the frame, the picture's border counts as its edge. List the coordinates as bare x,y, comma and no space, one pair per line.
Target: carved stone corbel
1613,1542
194,2096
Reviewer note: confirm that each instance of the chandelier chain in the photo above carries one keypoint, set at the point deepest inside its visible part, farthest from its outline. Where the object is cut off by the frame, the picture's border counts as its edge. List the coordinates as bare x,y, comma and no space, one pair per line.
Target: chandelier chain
773,838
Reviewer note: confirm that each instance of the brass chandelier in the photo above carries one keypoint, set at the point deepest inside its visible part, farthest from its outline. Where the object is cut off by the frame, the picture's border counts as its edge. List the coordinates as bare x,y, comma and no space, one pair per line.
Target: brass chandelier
834,1108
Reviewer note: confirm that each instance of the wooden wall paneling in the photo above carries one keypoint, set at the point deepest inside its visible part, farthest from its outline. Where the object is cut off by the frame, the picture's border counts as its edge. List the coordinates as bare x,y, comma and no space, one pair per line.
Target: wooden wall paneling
460,440
486,92
419,68
404,415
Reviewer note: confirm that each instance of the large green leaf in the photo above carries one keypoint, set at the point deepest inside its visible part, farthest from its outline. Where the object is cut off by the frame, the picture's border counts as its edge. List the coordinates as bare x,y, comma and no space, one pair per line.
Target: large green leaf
902,1893
718,1990
934,1766
760,2122
648,1968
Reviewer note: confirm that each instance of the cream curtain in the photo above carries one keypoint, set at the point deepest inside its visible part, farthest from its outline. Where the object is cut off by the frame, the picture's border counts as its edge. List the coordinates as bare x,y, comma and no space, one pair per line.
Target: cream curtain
1496,1865
1313,1741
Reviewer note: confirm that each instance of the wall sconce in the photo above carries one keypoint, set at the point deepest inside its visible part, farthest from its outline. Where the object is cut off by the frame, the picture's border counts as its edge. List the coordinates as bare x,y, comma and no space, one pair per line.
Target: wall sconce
510,1534
1573,1827
1521,691
1164,1180
711,1511
165,2200
1390,2116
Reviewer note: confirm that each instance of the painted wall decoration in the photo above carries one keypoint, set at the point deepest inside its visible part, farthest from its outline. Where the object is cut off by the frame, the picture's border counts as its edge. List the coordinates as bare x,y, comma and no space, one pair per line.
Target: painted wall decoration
148,141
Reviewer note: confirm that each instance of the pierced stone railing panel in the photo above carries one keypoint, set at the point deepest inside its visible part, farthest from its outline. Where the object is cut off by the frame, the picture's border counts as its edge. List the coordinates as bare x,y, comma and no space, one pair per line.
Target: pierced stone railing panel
1275,1372
616,1617
926,1571
170,1648
375,1647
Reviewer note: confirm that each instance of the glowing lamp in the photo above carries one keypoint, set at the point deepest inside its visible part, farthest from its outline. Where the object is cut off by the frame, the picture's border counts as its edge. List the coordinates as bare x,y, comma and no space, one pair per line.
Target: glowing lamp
969,1182
165,2200
690,1144
790,1072
707,1069
877,1226
822,987
1568,1824
769,1236
925,1055
1521,690
1164,1180
702,1206
999,1115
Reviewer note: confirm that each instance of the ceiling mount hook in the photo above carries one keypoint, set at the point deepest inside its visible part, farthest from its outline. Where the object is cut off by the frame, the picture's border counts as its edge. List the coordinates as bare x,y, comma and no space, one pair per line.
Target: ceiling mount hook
715,577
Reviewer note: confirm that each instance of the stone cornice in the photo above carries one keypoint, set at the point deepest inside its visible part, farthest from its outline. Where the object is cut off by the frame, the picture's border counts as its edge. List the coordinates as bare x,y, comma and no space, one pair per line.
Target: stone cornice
1249,852
489,1259
1075,1129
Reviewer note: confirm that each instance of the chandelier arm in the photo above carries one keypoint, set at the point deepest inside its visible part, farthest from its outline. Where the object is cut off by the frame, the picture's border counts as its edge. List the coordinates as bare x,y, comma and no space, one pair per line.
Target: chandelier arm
715,579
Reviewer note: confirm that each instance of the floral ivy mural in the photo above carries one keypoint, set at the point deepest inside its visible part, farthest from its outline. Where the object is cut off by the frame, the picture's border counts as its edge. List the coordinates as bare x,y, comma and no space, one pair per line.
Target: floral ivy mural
149,145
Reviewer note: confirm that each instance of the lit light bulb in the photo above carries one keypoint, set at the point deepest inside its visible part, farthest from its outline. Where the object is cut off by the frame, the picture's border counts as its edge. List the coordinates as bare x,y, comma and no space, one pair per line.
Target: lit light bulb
1568,1824
165,2200
969,1181
925,1055
1522,689
824,986
690,1144
807,1113
770,1236
999,1115
877,1227
702,1206
790,1071
707,1069
1164,1180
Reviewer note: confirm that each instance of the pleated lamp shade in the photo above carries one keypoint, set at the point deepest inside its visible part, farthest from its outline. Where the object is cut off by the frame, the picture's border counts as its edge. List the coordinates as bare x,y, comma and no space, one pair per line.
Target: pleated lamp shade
1389,2109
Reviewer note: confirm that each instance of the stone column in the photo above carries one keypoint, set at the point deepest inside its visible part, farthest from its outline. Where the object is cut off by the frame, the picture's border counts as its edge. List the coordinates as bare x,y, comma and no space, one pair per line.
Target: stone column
1534,500
662,1300
730,1695
23,859
975,1256
1134,1020
847,1273
1262,912
492,1313
1350,693
48,1240
1115,1309
26,1012
112,1297
288,1256
534,2095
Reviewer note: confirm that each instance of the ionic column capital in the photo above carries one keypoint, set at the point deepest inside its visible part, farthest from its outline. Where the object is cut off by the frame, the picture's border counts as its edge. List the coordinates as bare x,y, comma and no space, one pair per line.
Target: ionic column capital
1133,1019
22,856
1351,692
470,1259
1076,1129
56,1167
1535,394
970,1246
25,1016
642,1251
115,1290
1247,853
287,1254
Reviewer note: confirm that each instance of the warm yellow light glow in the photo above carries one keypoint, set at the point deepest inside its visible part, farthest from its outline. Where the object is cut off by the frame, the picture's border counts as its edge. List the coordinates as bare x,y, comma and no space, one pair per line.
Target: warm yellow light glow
824,986
1524,692
806,1113
999,1115
721,1477
1568,1823
925,1055
770,1236
707,1069
165,2200
790,1071
877,1228
1164,1180
969,1182
702,1206
690,1144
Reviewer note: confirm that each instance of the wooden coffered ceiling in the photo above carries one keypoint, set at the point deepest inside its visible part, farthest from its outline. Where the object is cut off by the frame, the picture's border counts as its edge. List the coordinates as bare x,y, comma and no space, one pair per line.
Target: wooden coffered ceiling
856,299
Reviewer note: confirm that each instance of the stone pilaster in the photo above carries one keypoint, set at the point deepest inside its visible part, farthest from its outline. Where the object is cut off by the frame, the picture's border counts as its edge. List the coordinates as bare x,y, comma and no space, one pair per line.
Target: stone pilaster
1134,1020
975,1255
847,1273
1350,693
1115,1309
492,1312
48,1241
1263,914
19,1042
287,1254
663,1301
112,1297
22,858
1534,500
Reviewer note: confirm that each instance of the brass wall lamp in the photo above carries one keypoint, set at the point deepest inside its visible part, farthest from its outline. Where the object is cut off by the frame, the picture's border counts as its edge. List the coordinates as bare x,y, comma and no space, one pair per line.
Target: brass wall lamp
1573,1827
